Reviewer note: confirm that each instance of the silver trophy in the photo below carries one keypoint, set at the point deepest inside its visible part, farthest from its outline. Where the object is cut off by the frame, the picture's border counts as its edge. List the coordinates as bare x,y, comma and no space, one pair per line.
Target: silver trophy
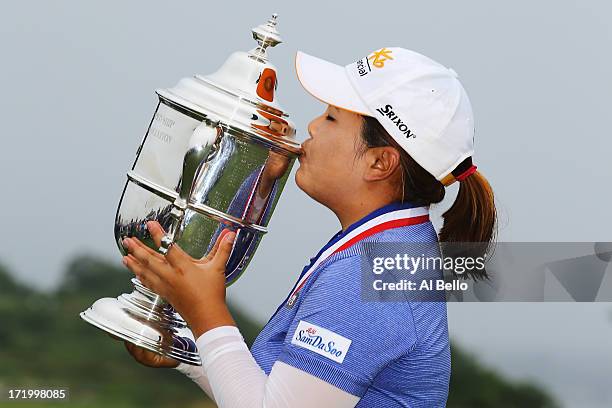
217,155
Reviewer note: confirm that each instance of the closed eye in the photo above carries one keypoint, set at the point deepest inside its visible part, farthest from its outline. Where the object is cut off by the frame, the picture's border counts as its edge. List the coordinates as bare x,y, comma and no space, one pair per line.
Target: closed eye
329,118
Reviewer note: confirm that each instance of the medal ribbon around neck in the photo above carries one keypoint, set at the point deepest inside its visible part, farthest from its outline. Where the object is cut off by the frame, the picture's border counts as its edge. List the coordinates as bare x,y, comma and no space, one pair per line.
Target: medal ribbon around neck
390,220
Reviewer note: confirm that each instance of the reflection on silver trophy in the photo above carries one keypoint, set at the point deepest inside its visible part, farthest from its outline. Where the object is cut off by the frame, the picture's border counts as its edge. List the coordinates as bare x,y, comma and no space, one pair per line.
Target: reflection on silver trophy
217,155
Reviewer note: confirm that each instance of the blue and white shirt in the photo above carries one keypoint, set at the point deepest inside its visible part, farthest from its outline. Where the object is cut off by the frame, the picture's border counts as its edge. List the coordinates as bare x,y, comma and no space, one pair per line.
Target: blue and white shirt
391,354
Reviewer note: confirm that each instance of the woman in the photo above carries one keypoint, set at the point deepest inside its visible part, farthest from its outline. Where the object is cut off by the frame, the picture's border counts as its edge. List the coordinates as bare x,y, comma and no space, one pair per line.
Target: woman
397,130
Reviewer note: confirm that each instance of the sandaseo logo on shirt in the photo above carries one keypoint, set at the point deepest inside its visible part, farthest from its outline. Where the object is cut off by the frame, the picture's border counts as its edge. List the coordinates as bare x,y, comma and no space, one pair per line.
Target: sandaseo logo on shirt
321,341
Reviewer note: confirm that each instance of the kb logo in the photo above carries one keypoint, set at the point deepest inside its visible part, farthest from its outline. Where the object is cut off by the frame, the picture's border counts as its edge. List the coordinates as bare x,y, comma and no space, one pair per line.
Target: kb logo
379,57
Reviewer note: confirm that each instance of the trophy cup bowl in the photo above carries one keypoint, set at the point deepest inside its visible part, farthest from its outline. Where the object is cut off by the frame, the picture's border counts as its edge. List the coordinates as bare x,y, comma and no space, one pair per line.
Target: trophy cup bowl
216,155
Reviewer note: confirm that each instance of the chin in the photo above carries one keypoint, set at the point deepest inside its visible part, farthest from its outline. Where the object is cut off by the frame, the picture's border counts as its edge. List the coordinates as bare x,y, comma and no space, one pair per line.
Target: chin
306,184
302,181
299,179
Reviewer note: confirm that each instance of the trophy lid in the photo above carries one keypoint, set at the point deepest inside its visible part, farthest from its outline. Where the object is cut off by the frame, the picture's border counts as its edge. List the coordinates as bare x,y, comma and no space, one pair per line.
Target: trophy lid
241,94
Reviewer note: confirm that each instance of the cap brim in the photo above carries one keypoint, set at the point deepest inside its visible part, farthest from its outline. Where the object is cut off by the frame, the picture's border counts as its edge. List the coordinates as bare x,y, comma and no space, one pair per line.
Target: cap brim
329,83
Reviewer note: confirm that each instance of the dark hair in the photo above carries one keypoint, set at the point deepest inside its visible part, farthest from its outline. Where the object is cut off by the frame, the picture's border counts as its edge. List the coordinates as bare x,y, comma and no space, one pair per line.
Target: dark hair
472,217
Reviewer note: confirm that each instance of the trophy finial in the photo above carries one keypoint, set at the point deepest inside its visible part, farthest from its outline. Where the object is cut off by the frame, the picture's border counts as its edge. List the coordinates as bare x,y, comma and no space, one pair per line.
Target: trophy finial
266,36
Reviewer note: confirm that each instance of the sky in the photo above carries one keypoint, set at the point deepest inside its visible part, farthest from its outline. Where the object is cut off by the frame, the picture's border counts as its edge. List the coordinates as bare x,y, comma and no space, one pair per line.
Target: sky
78,82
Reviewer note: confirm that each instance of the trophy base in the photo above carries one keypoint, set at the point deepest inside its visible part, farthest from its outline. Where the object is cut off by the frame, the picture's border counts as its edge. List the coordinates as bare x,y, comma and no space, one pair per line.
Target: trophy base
146,320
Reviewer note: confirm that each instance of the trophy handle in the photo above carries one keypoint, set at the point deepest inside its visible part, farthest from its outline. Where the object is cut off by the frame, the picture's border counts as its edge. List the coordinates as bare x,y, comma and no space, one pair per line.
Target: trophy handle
203,145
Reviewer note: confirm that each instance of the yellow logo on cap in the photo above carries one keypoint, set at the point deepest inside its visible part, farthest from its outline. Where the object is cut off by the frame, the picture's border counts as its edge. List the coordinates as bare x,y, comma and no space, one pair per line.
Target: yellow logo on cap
379,57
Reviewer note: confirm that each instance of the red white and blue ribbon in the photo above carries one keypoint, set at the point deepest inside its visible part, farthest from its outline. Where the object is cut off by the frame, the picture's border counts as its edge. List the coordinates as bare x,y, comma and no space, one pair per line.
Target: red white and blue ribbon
386,221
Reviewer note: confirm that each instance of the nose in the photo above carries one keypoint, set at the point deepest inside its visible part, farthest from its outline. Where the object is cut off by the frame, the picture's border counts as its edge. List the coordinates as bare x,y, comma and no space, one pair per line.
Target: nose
312,128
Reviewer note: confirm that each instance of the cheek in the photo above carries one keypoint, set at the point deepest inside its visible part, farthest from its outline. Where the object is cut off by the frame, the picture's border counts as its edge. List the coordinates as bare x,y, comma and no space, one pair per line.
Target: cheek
330,160
335,168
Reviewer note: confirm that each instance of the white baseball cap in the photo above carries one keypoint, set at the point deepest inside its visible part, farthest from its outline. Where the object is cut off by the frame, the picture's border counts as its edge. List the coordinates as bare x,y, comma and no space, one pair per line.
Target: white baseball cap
420,103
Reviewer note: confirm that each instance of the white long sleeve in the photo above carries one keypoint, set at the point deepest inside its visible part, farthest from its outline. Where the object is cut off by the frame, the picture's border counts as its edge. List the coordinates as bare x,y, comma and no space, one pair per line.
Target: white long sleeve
197,375
231,376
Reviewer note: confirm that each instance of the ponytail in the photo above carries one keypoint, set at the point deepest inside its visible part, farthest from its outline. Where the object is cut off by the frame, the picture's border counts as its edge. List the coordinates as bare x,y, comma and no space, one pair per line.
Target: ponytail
470,223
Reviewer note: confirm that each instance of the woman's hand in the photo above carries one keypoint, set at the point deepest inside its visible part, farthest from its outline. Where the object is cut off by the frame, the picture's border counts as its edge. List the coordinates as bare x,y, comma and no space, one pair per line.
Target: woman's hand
195,288
149,358
146,357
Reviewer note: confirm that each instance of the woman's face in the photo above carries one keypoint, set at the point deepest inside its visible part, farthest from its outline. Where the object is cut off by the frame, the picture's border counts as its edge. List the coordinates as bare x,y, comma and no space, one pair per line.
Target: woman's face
330,168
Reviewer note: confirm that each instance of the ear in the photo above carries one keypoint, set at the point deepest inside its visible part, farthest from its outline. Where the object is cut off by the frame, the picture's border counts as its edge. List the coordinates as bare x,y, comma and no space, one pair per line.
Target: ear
381,163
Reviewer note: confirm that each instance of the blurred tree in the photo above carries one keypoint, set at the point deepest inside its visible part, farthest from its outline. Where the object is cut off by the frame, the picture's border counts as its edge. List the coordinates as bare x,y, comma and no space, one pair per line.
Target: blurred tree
473,385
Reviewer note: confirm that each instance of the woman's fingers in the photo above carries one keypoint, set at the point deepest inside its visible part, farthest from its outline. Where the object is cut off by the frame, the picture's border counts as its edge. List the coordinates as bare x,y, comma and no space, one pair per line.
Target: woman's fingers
137,352
175,256
156,231
151,252
179,259
224,251
143,256
133,265
130,347
147,272
149,358
214,249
